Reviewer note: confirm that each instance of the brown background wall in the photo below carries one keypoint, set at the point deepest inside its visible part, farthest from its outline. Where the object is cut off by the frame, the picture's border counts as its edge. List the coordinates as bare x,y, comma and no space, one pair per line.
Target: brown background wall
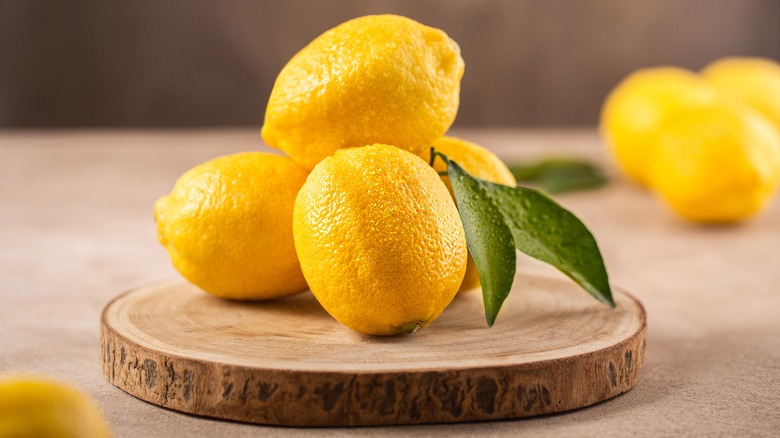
209,62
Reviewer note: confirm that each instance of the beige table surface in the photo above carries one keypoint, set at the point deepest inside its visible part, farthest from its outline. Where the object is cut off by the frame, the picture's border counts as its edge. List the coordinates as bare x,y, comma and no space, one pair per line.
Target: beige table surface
76,229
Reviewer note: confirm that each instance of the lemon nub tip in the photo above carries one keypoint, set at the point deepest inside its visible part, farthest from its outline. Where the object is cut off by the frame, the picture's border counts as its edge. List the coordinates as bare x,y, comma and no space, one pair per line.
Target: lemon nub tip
411,327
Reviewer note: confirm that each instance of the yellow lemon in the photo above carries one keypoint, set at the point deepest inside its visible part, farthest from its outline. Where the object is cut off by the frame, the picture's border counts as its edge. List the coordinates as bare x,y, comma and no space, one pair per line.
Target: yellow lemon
380,240
717,165
754,81
479,162
639,108
227,226
374,79
35,407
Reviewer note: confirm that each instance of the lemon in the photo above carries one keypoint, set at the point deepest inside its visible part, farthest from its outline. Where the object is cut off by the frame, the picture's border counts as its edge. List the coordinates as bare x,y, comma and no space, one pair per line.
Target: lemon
639,108
227,226
754,81
379,239
374,79
480,163
36,407
717,165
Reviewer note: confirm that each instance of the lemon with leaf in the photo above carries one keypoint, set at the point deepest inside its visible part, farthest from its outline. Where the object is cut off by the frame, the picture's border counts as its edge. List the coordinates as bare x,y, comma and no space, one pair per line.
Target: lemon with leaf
480,163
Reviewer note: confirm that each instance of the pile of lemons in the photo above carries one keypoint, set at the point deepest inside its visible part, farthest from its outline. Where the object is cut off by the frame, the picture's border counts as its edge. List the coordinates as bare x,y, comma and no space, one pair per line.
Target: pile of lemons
354,211
708,143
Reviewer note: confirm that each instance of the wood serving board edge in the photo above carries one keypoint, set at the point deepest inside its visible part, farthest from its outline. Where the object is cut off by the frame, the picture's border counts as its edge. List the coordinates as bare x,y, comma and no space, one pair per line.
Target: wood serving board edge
328,398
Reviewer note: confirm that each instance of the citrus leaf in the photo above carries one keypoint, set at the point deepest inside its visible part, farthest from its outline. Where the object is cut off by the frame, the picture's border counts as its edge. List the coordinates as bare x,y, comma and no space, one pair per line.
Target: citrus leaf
560,175
489,239
499,219
548,232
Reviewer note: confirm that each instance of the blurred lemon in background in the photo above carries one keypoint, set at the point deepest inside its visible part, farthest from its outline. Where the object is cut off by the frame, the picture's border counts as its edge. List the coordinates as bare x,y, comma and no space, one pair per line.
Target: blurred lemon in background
375,79
36,407
706,144
639,108
480,163
717,165
754,81
227,226
380,240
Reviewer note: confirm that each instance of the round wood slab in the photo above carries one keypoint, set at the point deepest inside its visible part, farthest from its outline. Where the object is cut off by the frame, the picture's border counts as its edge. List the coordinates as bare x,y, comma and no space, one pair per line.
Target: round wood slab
287,362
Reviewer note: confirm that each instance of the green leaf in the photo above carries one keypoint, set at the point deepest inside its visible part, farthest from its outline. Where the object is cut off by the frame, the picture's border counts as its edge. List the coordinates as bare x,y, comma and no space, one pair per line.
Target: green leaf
560,175
489,239
499,219
548,232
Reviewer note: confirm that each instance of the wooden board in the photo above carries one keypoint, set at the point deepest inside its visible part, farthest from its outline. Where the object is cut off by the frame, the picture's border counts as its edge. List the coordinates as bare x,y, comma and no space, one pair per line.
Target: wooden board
287,362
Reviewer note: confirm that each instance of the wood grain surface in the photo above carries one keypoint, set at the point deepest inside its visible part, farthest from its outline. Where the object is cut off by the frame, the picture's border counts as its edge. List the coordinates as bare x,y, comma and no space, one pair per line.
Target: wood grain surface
287,362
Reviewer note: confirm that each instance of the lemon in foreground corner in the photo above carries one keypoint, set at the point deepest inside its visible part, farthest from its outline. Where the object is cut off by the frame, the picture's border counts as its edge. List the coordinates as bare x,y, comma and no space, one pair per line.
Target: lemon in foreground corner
379,239
35,407
227,226
374,79
480,163
641,106
717,165
753,81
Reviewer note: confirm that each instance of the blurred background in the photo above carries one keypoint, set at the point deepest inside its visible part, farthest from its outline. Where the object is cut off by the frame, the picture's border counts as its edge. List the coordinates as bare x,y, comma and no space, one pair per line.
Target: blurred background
183,63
